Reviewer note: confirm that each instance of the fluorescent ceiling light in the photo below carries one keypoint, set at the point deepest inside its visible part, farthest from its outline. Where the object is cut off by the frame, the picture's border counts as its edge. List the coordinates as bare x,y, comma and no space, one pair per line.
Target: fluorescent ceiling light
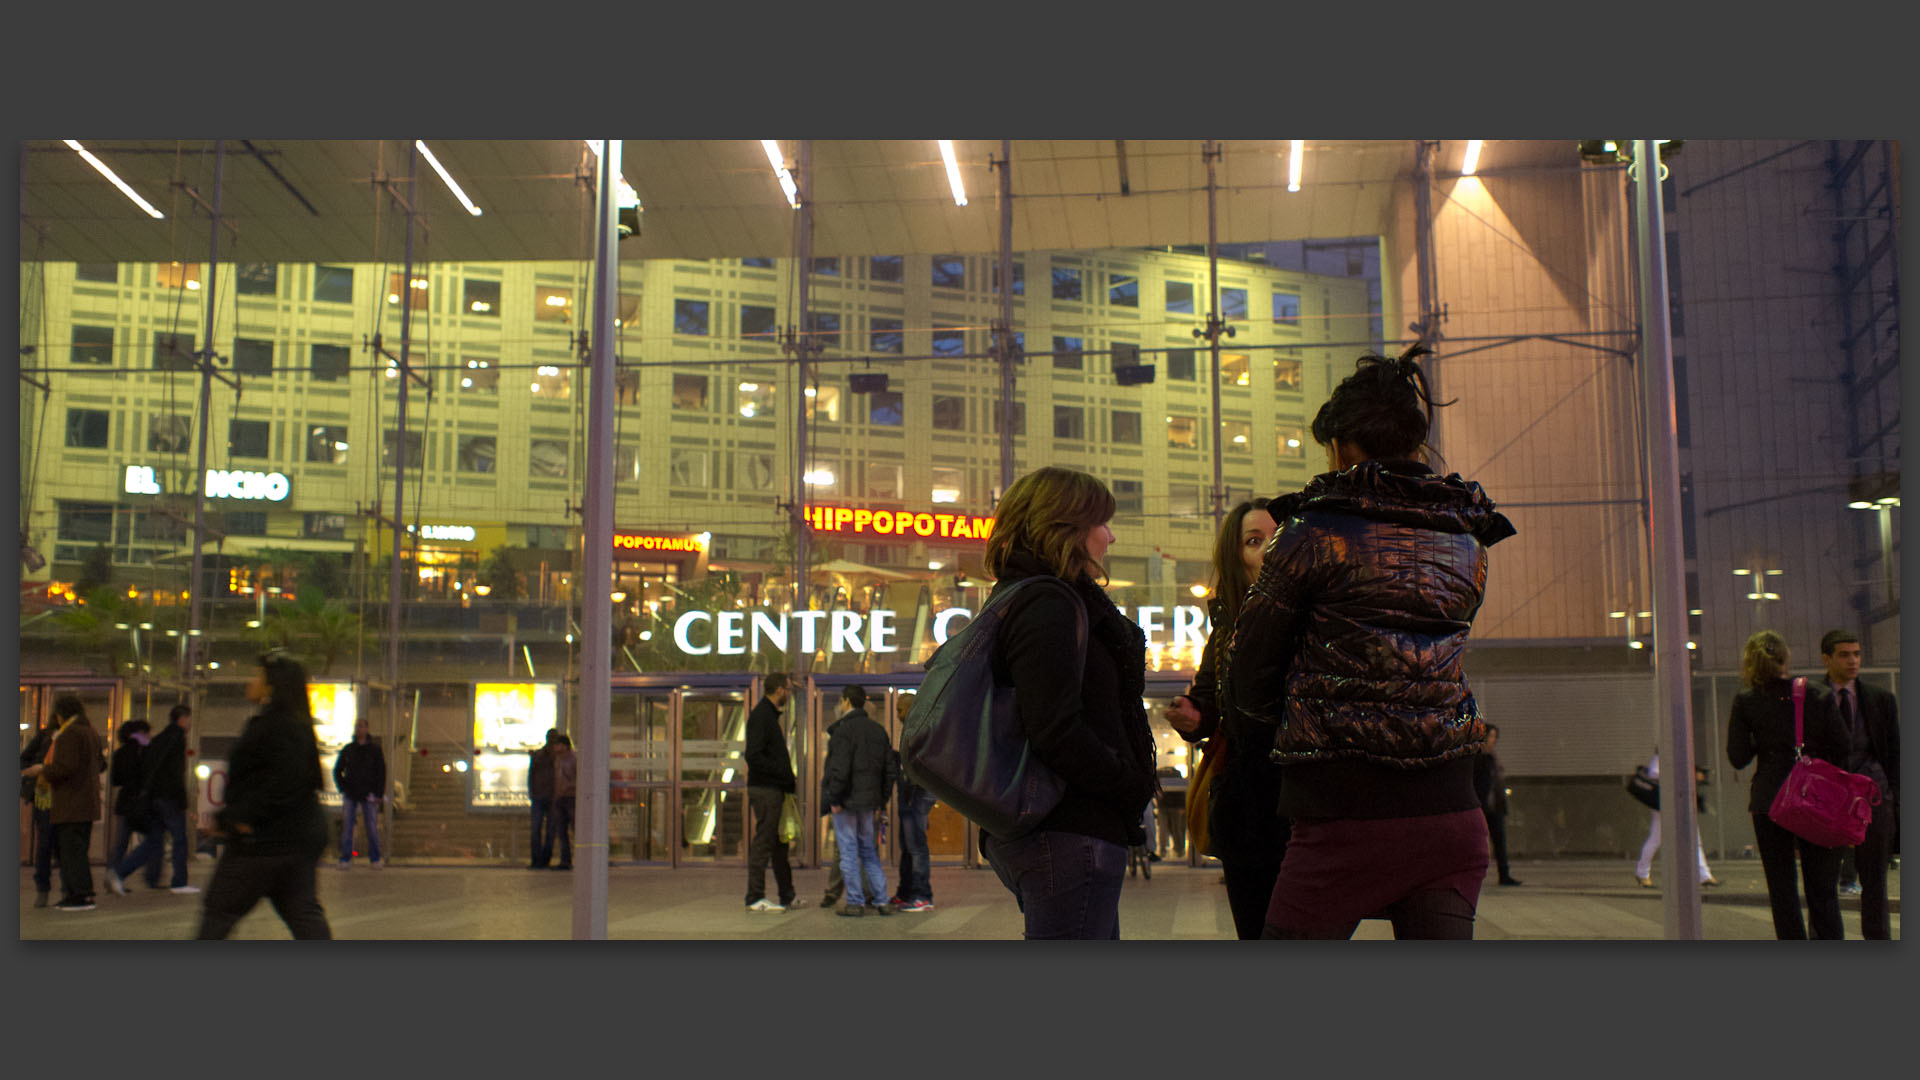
117,182
953,172
1472,160
780,170
421,146
1294,151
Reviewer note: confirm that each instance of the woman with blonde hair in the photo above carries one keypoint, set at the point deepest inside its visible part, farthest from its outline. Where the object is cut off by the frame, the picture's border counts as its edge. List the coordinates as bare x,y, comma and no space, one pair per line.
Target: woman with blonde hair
1762,727
1092,733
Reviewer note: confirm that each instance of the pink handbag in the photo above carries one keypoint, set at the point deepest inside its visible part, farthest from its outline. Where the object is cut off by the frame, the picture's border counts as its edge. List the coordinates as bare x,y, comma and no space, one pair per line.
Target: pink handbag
1822,803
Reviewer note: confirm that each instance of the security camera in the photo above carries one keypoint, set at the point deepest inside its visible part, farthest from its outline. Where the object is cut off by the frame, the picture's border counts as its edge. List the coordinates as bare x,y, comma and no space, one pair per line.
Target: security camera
628,222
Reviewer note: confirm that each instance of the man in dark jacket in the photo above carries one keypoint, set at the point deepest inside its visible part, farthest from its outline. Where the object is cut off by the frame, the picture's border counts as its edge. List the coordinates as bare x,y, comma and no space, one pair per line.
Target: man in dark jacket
540,795
1490,783
163,795
1871,718
123,779
360,773
770,780
68,782
858,776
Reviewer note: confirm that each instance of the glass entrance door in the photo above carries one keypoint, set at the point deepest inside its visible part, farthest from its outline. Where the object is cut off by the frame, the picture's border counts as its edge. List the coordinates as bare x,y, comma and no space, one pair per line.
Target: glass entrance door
640,788
713,777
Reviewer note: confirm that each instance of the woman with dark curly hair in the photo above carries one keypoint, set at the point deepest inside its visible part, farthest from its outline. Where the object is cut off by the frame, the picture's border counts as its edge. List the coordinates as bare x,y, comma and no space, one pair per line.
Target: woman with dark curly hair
1350,644
1244,828
1762,727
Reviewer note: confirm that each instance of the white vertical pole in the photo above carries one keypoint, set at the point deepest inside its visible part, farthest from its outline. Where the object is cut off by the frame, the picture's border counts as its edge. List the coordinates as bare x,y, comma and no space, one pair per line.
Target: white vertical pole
1678,821
596,603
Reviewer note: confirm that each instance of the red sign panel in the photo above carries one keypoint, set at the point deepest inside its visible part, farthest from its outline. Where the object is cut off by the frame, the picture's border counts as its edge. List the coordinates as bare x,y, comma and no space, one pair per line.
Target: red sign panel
899,524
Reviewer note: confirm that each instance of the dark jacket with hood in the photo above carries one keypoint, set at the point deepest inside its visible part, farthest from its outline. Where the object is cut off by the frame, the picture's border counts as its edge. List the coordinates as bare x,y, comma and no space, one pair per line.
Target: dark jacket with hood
1094,734
1351,639
861,765
123,773
1761,726
273,787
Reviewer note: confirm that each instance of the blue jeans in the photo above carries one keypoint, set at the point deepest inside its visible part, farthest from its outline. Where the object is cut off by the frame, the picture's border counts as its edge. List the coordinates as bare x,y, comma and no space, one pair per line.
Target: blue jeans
164,820
560,826
860,865
122,839
369,811
916,866
542,846
42,850
1068,885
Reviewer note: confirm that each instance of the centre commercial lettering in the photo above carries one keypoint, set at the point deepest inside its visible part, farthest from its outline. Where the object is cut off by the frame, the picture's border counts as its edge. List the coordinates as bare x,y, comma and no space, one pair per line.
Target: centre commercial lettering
735,633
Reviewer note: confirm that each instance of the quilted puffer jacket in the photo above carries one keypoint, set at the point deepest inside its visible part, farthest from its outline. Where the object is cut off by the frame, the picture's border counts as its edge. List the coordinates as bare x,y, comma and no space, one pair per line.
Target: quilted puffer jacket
1350,640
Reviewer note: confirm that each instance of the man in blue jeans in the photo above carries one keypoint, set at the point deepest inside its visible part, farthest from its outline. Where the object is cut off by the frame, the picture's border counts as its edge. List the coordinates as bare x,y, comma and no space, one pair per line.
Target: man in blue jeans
916,866
163,792
540,800
360,774
857,778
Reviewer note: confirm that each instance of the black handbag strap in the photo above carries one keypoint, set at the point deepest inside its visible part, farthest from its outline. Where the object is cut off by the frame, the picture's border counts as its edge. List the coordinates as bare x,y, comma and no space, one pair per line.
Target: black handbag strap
1799,717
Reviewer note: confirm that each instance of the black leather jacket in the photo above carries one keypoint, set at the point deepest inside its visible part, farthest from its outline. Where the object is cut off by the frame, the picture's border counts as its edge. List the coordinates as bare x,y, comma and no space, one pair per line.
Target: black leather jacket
861,766
1351,639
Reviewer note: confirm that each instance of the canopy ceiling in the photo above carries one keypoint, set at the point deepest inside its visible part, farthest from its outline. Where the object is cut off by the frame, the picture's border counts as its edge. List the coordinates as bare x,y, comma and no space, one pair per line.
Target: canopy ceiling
703,199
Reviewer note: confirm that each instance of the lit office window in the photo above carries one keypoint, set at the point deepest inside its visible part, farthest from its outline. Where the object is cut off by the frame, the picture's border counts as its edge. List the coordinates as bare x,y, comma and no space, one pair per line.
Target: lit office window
478,376
1183,432
173,275
479,297
755,398
555,305
327,444
416,290
948,485
1236,369
823,402
1290,442
1236,436
551,382
1287,377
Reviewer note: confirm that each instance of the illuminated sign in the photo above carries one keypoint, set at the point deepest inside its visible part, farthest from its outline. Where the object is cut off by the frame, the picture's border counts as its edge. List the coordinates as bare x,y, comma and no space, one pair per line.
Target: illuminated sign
510,720
336,709
445,532
735,633
899,524
221,484
624,541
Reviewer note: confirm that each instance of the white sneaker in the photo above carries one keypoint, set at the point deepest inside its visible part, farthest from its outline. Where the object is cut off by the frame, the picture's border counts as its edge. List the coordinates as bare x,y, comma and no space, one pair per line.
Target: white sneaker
764,904
184,890
116,883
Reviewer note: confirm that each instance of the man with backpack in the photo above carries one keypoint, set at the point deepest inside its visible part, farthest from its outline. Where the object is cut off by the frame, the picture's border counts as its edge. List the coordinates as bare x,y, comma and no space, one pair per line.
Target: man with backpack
858,776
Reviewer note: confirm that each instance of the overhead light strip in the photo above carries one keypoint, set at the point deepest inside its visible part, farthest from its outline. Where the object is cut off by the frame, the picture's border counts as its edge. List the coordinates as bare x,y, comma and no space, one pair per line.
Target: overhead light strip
117,182
1295,150
953,173
421,146
779,163
1472,160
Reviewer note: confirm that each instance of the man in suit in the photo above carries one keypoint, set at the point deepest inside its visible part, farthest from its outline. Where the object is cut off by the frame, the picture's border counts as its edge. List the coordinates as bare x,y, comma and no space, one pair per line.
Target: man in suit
1871,721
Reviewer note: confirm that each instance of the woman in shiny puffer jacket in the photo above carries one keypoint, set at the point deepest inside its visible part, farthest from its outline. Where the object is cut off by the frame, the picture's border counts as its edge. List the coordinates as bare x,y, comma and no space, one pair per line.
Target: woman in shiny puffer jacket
1350,643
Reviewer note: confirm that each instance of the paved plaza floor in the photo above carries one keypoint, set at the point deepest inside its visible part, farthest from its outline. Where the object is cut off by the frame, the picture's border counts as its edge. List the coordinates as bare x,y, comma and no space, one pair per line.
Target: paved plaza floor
1560,900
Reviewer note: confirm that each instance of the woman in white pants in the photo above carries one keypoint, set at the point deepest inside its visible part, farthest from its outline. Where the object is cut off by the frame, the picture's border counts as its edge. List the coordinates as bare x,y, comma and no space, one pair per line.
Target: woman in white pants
1643,873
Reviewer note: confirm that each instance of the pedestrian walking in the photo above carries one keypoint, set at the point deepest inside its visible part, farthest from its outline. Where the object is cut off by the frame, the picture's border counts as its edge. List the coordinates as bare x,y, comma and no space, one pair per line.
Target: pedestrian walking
123,778
1350,643
162,799
1091,733
273,823
1643,870
1490,783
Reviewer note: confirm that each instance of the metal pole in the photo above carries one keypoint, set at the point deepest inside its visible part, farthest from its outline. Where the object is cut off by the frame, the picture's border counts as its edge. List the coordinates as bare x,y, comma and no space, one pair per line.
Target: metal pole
1427,326
400,472
196,578
1678,821
596,605
803,346
1004,346
1211,151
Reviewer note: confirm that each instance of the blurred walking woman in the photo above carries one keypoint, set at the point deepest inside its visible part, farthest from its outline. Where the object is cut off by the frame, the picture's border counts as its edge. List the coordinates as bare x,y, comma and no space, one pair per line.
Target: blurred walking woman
1762,726
1350,642
272,820
1244,825
1093,734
